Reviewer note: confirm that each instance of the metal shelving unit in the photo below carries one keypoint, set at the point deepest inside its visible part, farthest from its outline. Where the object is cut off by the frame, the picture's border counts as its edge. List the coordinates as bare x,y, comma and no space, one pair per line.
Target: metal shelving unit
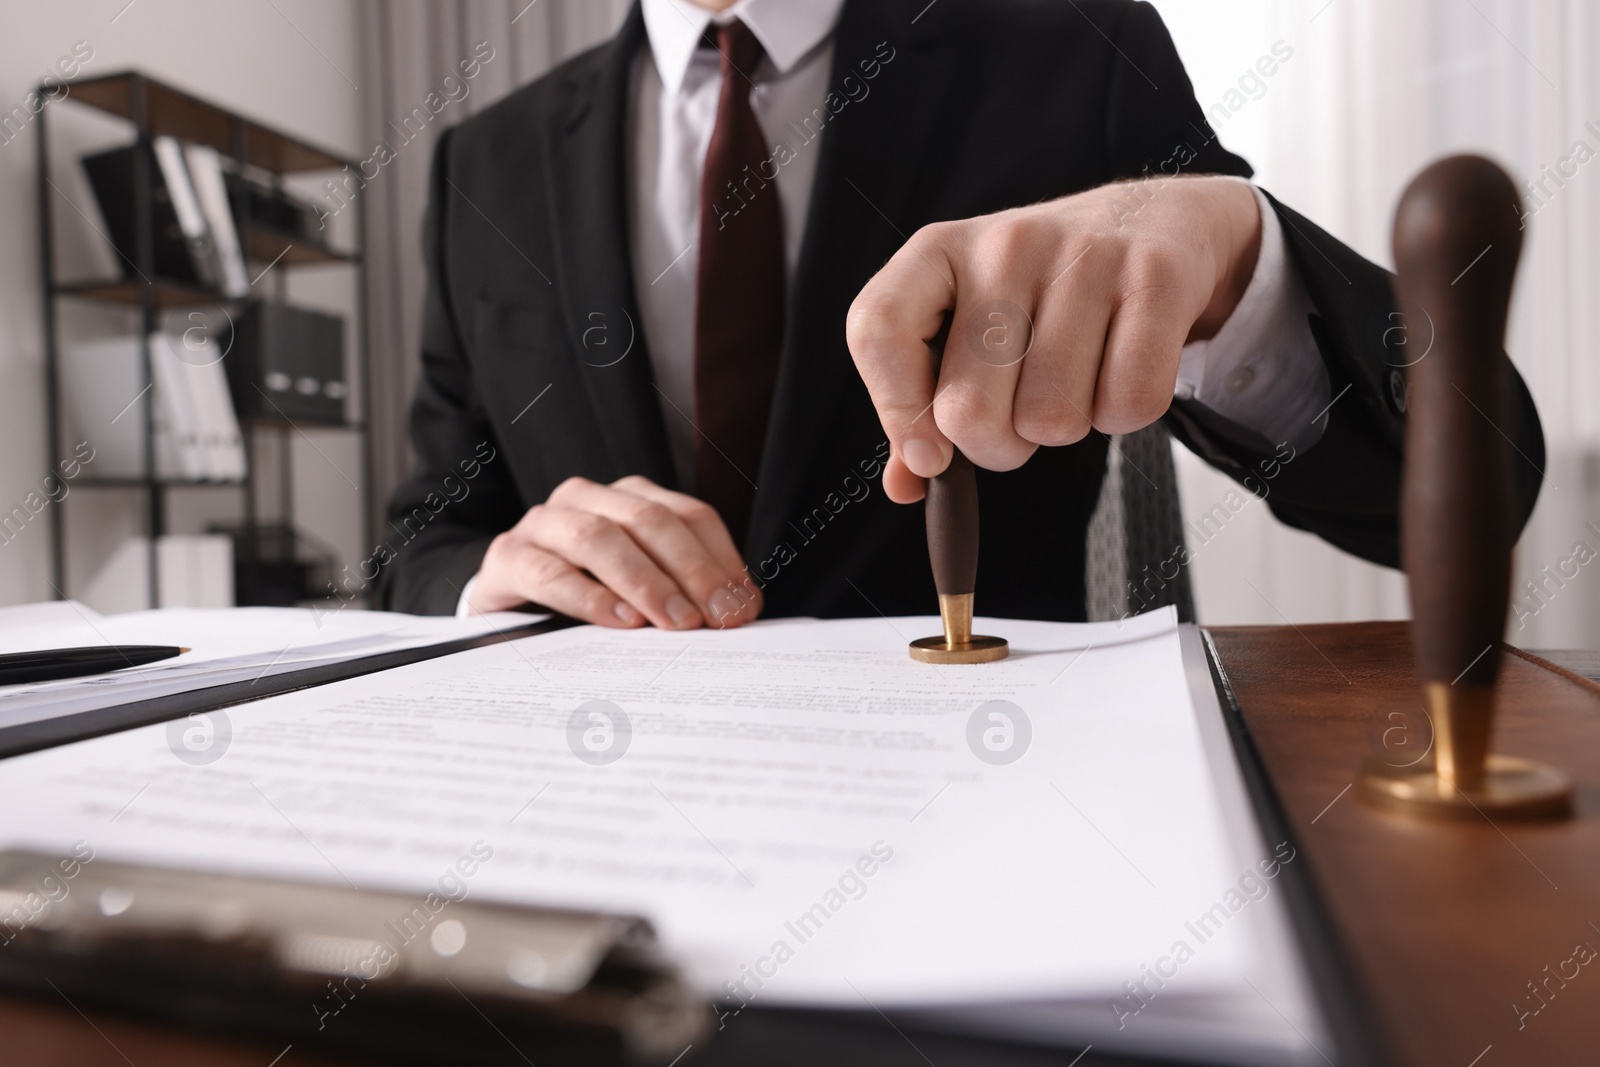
155,109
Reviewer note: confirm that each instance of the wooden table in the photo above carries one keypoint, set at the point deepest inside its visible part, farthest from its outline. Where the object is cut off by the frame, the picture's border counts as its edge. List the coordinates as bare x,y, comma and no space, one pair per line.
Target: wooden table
1440,927
1429,934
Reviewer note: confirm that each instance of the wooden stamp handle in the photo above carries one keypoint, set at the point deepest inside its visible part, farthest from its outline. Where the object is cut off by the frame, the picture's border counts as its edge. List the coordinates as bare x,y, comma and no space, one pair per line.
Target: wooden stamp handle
953,527
1457,236
952,508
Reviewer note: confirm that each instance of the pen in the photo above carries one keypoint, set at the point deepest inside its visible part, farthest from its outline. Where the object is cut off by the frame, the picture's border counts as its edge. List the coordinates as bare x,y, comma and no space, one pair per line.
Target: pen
49,664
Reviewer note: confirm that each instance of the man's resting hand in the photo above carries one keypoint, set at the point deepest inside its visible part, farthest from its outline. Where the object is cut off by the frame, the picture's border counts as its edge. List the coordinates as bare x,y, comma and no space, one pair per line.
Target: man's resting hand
620,555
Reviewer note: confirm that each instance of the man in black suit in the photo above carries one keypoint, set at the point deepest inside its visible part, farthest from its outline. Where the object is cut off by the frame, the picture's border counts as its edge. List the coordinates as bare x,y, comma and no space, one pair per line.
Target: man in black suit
600,385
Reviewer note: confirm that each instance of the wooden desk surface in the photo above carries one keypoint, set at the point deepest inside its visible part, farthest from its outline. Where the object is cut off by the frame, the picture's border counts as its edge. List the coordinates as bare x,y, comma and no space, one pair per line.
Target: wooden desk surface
57,1035
1442,926
1447,927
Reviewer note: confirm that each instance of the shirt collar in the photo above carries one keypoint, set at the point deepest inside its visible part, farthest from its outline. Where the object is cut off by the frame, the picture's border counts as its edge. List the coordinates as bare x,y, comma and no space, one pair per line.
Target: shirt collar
787,29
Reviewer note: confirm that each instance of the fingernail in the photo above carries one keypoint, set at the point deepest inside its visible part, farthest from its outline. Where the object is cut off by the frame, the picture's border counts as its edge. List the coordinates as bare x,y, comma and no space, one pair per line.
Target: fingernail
680,610
627,614
723,606
925,458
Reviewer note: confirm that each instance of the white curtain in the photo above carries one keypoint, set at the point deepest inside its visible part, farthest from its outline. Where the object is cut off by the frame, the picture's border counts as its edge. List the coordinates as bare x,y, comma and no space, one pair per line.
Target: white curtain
411,46
1373,91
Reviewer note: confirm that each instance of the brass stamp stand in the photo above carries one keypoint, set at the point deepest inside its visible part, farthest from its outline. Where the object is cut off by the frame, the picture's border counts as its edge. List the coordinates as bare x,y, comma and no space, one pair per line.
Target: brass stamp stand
1456,243
1461,777
958,645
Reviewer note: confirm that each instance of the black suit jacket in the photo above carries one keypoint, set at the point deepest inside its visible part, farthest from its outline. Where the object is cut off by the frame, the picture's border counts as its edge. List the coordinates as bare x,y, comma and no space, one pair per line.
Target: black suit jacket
973,106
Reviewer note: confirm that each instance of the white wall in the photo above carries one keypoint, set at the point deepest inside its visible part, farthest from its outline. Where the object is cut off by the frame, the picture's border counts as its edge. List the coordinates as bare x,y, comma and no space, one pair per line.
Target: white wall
290,64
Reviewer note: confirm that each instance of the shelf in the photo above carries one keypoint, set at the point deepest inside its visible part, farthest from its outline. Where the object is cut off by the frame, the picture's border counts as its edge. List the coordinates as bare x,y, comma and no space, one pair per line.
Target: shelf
166,294
174,112
134,482
265,245
277,422
262,245
256,155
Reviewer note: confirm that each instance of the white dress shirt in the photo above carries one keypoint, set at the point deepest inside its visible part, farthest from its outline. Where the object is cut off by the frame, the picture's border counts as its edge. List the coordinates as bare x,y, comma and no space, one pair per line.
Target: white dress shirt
1262,369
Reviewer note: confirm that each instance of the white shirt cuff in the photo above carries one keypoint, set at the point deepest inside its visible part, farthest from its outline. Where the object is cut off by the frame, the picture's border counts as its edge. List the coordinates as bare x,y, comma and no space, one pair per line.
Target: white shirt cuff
1262,370
464,602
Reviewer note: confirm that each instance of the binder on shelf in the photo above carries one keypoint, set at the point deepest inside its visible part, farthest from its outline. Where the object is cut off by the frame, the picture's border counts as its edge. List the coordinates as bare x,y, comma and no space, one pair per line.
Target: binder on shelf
205,388
275,210
186,208
421,973
197,434
111,175
197,229
287,363
104,400
205,166
177,408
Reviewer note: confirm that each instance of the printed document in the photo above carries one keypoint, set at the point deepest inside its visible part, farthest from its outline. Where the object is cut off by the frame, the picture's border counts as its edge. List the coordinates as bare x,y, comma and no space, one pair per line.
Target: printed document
805,814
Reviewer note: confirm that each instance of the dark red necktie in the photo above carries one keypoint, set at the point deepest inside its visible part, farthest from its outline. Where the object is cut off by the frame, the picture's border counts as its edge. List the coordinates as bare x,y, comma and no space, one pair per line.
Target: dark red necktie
738,320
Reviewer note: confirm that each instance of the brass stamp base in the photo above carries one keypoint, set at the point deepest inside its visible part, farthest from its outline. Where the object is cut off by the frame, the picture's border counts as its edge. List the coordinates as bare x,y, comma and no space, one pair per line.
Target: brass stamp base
977,650
1510,788
958,645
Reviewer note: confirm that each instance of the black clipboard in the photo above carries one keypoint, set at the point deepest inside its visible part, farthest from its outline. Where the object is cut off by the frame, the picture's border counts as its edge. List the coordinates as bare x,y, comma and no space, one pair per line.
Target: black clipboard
844,1038
334,969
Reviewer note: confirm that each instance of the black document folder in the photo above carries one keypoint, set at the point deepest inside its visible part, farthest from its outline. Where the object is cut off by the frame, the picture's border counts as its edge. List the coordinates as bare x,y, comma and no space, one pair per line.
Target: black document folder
175,257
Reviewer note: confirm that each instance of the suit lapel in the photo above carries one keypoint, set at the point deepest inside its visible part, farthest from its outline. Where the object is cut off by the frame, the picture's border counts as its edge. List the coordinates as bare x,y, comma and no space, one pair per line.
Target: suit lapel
586,174
873,151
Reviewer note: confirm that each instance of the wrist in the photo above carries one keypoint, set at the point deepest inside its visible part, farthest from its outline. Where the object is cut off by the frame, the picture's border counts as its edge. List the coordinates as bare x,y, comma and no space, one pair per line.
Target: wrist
1235,216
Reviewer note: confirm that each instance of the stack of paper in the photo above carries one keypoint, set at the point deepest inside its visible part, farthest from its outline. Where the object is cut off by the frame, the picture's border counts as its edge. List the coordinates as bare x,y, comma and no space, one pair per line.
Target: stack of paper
1055,846
230,645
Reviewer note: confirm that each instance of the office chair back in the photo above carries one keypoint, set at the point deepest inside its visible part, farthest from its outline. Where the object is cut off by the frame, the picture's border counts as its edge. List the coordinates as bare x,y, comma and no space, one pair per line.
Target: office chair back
1132,562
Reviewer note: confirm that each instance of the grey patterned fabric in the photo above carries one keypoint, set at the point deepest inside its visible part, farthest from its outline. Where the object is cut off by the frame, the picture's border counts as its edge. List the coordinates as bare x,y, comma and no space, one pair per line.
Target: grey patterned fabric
1133,561
410,45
